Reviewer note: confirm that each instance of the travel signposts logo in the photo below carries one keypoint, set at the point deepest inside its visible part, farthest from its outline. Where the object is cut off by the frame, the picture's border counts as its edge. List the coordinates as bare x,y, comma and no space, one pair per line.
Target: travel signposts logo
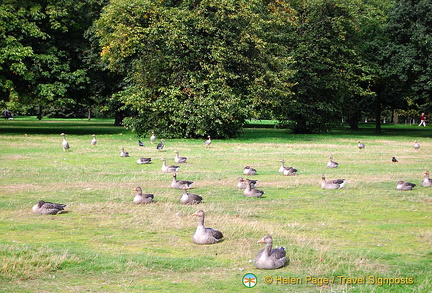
249,280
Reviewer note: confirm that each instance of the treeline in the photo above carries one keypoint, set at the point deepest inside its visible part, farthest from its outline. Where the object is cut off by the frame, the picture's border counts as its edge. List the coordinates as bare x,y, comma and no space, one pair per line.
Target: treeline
194,68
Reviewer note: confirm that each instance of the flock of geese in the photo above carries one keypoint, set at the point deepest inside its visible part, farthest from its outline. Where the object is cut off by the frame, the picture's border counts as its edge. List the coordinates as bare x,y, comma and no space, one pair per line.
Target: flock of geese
267,258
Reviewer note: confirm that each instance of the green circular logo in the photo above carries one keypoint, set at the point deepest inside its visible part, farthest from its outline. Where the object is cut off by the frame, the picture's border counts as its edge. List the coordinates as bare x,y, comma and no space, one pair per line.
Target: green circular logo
249,280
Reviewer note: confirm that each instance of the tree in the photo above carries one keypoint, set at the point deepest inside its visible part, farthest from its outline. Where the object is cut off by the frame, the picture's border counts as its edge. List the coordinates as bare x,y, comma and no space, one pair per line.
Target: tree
331,74
410,51
41,49
193,67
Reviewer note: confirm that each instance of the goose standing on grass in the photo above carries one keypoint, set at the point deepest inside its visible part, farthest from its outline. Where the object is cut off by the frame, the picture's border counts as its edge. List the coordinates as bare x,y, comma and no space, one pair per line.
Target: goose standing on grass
208,142
48,208
331,163
360,145
402,185
426,181
93,141
268,258
178,159
65,144
180,184
140,143
416,145
142,198
144,161
242,183
251,191
289,171
168,169
205,235
152,138
190,198
249,171
160,145
123,154
332,184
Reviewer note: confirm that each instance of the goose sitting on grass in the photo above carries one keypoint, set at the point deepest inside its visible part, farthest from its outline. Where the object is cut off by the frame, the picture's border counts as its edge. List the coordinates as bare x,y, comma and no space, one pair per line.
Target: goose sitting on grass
331,163
190,198
160,145
426,181
65,144
179,159
180,184
242,183
268,258
360,145
252,192
332,184
123,154
249,171
205,235
48,208
404,186
142,198
168,169
144,161
289,171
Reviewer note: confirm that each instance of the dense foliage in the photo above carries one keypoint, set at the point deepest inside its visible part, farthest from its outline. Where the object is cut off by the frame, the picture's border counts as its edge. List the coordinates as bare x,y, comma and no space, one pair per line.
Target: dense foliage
194,68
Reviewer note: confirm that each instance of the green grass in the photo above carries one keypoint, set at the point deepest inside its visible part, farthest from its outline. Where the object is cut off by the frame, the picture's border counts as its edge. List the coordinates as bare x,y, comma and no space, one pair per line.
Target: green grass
105,243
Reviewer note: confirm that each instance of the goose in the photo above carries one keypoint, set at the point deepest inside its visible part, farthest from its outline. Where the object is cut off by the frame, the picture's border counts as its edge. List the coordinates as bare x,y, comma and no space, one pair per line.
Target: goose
416,145
252,192
160,145
208,142
178,159
332,184
249,171
360,145
144,161
331,163
142,198
152,138
93,141
48,208
205,235
426,181
140,143
282,167
190,198
180,184
402,185
268,258
169,169
289,171
394,160
242,183
65,144
123,153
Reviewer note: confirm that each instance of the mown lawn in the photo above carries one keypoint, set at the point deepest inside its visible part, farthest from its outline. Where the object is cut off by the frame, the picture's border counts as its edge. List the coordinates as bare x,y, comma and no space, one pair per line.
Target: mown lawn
358,239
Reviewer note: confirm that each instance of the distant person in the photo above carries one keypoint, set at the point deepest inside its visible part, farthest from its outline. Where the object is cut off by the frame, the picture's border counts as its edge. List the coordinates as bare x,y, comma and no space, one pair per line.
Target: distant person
7,114
422,120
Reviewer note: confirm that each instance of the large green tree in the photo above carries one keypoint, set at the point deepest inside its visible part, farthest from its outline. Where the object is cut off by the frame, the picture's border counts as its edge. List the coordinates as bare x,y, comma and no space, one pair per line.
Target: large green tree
196,67
409,51
41,51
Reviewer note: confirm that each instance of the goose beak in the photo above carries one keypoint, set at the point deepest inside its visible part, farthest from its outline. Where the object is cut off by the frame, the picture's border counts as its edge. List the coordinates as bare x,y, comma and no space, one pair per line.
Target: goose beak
195,214
261,241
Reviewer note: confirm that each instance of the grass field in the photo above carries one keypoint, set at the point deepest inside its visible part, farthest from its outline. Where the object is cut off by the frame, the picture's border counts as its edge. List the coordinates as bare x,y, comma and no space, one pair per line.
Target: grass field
335,239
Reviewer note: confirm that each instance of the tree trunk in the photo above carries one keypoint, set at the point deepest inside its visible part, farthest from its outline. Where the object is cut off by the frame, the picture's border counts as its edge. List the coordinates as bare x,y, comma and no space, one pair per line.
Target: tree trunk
39,115
88,114
118,119
377,116
353,121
